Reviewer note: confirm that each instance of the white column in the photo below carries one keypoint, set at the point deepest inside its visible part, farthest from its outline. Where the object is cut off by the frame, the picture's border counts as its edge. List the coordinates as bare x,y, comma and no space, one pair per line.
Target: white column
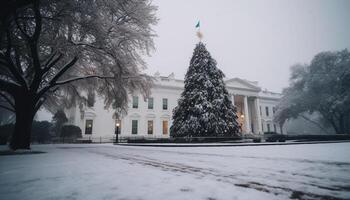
258,116
233,99
246,115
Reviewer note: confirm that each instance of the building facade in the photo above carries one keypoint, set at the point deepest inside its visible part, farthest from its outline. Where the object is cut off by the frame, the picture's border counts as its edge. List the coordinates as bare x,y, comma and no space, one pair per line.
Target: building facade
152,117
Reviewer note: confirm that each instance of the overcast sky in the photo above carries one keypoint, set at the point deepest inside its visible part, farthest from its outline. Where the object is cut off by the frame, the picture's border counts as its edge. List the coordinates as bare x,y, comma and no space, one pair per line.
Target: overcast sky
250,39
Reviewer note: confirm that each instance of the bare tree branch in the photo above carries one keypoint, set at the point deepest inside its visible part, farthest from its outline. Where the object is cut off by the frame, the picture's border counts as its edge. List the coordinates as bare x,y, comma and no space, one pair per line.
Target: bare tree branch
7,99
7,108
10,65
63,70
315,123
82,78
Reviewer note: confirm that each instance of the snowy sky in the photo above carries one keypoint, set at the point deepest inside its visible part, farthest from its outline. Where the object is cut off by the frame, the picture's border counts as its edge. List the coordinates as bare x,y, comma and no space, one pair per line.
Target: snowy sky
251,39
255,40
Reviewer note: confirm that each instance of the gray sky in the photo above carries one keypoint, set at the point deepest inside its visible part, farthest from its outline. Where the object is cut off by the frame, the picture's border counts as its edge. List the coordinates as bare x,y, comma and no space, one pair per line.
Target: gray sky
250,39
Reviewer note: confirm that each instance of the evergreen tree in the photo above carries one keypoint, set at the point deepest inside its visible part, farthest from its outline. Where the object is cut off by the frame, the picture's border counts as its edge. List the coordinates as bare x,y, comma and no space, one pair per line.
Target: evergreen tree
205,107
59,119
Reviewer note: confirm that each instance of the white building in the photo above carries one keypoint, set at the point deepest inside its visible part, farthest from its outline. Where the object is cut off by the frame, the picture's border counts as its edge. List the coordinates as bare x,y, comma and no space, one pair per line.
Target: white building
152,117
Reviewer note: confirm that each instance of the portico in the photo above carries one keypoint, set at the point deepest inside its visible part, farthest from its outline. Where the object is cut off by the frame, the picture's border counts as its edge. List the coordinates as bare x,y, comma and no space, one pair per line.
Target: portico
245,97
248,113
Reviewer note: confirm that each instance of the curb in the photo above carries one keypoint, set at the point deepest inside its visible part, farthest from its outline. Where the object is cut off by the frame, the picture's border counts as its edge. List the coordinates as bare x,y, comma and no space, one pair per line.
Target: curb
231,145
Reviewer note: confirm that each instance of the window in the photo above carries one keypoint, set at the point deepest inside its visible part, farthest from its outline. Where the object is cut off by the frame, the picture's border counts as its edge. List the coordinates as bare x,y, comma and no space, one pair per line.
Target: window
135,102
262,126
150,127
274,128
165,127
134,127
118,126
88,127
150,103
273,110
267,110
268,128
165,104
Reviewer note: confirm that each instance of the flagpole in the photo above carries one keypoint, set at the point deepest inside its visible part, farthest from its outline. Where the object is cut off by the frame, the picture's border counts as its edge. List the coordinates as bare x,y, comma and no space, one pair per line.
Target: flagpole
199,34
200,38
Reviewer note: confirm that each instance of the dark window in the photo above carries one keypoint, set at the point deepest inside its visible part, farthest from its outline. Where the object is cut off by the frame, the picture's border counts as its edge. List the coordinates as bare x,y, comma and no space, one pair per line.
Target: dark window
267,110
273,110
150,127
274,128
88,127
134,127
268,128
150,103
135,102
165,104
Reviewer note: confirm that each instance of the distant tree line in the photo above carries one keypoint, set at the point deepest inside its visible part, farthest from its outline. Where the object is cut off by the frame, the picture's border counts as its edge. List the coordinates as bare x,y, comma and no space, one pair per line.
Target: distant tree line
45,131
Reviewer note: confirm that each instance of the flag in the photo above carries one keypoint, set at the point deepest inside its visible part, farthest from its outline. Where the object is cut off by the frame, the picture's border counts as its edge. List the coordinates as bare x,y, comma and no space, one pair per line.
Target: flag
198,24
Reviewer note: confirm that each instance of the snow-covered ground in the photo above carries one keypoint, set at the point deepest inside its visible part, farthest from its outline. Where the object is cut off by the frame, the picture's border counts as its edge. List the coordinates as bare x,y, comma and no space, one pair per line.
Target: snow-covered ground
310,171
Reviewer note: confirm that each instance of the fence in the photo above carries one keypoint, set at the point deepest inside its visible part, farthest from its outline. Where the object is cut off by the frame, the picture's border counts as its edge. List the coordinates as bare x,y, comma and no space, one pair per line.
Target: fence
155,139
143,139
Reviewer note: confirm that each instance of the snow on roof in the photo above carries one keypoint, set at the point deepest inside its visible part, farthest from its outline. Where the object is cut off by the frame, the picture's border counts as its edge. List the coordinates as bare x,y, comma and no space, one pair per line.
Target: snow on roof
268,94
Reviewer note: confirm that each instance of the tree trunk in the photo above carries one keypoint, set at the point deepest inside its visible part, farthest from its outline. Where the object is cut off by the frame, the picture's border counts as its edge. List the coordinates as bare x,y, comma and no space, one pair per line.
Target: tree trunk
341,124
332,120
322,128
21,136
347,123
345,120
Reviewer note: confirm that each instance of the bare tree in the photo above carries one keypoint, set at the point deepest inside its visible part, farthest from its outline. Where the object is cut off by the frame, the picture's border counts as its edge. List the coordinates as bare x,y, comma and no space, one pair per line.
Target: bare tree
52,52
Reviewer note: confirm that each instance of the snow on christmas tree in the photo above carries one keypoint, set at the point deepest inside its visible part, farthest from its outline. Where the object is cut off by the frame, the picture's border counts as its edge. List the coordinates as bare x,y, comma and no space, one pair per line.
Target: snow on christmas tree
205,107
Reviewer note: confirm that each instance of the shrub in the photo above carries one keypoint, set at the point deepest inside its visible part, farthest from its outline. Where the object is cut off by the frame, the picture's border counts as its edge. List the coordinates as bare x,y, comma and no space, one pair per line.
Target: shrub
257,140
276,138
58,119
41,131
270,133
318,137
70,131
5,133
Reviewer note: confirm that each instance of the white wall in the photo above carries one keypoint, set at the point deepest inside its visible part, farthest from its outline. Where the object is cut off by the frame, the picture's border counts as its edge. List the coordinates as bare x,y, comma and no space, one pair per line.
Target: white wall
170,88
157,114
270,103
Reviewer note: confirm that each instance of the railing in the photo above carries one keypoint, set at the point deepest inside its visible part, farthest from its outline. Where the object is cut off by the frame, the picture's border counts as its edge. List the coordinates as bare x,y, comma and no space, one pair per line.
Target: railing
157,139
106,139
142,139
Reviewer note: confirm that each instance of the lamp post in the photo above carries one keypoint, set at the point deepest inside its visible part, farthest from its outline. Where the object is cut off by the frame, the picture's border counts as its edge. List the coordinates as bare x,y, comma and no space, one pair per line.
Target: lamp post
116,132
242,116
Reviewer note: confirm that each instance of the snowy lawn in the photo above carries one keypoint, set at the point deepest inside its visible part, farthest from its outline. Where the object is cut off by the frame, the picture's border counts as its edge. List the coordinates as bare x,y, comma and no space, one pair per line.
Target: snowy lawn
310,171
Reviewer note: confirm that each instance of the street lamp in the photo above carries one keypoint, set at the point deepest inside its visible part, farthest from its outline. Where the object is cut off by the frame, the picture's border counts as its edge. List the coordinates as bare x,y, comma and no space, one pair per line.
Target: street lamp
116,132
241,127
